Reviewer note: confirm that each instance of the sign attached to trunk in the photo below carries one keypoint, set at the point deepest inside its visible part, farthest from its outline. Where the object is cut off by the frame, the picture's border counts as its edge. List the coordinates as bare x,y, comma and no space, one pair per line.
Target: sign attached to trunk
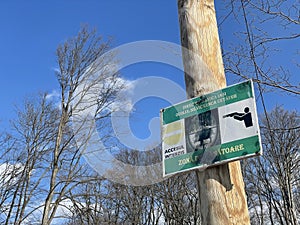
209,130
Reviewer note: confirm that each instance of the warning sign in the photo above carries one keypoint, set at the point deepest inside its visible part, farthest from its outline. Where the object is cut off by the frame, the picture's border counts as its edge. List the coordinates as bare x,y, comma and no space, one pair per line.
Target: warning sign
210,130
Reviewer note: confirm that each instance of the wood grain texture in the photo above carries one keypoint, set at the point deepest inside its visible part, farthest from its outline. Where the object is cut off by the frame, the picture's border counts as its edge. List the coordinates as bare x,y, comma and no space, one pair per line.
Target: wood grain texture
199,35
221,189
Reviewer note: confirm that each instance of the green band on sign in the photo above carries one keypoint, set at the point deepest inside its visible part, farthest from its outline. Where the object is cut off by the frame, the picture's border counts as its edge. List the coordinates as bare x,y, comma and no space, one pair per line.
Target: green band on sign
228,151
207,102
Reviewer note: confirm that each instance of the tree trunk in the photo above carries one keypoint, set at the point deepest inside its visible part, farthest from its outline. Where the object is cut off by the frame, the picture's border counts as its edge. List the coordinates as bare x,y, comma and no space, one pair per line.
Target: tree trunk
221,189
46,219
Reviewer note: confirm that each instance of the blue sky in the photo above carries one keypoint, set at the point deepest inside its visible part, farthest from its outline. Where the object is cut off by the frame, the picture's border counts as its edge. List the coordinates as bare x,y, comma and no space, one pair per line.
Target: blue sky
31,31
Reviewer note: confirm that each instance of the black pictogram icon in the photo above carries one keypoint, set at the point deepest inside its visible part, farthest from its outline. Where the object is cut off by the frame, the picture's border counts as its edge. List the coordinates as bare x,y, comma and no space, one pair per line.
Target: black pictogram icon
245,116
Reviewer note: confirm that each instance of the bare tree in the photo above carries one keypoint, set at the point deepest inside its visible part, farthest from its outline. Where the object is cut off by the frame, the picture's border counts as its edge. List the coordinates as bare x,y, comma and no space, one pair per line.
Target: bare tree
89,202
178,199
172,201
10,169
78,61
26,161
258,48
272,181
42,170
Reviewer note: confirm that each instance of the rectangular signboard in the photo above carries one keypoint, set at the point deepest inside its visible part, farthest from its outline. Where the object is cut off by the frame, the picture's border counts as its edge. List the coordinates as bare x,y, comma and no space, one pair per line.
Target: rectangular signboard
209,130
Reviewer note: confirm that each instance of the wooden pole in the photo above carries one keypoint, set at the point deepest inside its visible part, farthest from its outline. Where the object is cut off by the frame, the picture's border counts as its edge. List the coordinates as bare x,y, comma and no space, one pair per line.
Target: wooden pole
221,189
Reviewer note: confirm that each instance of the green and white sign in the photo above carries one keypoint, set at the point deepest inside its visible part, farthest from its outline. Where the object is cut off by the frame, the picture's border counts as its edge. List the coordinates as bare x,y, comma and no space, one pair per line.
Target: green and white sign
209,130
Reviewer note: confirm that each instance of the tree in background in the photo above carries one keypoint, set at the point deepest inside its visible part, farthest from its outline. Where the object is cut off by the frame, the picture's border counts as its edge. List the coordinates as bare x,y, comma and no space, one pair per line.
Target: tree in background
27,160
264,45
78,60
43,165
272,181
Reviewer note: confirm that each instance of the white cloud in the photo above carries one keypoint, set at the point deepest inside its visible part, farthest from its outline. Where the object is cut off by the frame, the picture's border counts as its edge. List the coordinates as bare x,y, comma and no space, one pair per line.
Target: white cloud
53,95
124,101
9,174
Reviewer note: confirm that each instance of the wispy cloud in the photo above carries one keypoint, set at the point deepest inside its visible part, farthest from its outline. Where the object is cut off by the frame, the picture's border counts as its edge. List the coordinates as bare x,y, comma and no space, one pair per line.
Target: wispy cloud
124,100
54,94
